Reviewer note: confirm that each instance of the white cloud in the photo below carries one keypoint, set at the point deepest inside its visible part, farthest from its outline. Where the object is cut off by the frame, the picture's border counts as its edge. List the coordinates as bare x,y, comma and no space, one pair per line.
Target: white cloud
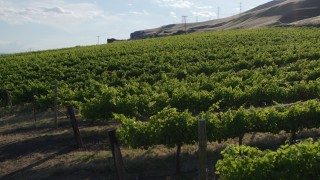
206,14
203,7
173,14
57,10
58,14
179,4
144,12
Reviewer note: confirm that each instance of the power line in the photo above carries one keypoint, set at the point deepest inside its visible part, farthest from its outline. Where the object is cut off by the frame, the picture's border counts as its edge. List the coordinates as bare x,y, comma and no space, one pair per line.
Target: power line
98,40
184,20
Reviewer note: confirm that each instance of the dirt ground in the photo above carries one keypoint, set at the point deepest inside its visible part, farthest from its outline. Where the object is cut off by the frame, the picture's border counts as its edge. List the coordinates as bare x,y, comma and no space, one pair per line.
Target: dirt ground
35,150
29,152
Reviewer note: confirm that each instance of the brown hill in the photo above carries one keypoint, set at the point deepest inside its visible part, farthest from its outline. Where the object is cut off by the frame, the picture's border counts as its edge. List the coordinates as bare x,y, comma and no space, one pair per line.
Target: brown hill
273,13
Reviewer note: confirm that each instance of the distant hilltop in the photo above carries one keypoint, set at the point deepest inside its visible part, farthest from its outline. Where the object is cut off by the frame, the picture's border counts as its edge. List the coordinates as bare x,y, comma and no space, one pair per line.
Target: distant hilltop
273,13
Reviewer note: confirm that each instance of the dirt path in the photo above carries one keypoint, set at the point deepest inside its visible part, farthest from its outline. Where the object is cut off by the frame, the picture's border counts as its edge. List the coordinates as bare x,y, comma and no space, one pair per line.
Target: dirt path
27,152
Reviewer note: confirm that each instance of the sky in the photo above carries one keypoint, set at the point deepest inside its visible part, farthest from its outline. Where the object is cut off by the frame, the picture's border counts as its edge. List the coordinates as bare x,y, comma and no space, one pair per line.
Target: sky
33,25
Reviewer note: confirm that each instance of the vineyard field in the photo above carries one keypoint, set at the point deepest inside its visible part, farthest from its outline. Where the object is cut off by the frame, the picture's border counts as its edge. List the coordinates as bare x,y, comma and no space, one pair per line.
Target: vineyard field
140,78
240,81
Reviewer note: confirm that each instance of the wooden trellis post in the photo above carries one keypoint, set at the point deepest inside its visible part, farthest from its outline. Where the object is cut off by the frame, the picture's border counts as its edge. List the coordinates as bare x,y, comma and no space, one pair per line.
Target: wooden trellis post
75,127
56,104
116,154
202,149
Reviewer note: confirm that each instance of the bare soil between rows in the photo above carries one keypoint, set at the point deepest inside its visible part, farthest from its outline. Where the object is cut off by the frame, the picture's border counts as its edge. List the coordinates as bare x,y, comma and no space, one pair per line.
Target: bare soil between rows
35,150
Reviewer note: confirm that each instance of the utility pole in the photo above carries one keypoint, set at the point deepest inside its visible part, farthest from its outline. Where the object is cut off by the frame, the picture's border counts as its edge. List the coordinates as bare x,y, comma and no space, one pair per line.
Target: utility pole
218,13
196,18
98,40
240,8
184,20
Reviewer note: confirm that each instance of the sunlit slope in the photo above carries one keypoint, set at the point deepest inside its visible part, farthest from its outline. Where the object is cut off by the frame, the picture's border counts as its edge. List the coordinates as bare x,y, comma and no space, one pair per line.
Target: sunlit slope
273,13
139,78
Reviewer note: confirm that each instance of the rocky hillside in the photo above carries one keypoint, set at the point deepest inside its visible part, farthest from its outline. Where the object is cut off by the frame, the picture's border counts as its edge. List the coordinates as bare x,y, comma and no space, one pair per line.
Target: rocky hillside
273,13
